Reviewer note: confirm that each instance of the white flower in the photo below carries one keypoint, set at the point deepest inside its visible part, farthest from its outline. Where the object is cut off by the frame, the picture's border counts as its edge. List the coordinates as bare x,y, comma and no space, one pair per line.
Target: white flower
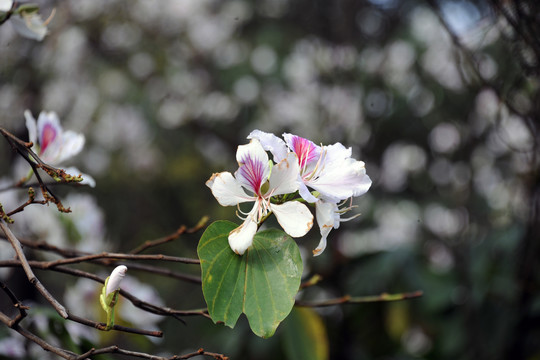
54,145
115,279
256,180
29,25
329,170
5,5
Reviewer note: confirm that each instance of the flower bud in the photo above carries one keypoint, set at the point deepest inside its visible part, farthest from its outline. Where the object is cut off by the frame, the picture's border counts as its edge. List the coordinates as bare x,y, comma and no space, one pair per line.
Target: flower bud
114,280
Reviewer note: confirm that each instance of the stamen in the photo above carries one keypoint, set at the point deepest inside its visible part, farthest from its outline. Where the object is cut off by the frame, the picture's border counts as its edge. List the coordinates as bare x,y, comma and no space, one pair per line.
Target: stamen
350,218
240,210
240,217
345,209
53,12
316,169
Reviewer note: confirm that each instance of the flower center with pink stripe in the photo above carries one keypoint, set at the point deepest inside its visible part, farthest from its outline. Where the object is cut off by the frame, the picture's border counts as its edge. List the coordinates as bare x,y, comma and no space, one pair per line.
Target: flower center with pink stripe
47,136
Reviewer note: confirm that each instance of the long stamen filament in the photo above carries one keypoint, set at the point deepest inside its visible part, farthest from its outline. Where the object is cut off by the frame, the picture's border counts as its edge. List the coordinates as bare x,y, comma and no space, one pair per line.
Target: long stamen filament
349,218
316,169
240,217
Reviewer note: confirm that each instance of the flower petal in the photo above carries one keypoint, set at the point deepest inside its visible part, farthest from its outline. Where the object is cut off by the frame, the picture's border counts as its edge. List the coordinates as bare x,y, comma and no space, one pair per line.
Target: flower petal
30,26
50,133
31,126
308,153
294,217
253,150
336,152
72,144
341,180
328,218
115,279
5,5
254,167
227,190
270,142
305,193
284,176
241,238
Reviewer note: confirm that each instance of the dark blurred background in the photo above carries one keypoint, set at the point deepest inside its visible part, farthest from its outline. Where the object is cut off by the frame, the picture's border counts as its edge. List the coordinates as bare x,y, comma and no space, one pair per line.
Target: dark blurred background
439,98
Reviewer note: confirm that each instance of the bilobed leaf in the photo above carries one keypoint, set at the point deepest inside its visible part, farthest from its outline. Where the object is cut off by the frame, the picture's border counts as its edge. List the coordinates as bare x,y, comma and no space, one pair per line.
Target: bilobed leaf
261,284
304,336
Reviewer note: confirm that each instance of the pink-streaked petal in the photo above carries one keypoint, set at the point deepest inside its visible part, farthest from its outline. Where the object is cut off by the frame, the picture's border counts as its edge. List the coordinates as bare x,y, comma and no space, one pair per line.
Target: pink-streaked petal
31,126
50,136
294,217
270,142
48,123
326,213
284,176
341,180
227,190
71,144
253,150
254,168
241,238
308,153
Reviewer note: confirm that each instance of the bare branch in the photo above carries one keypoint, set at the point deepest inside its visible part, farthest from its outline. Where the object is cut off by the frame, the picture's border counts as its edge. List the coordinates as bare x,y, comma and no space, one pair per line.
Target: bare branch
116,350
16,303
347,299
158,310
119,256
29,273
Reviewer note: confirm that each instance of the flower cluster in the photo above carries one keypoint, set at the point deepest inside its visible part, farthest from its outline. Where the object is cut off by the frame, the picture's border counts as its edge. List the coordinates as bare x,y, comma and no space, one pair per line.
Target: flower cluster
324,176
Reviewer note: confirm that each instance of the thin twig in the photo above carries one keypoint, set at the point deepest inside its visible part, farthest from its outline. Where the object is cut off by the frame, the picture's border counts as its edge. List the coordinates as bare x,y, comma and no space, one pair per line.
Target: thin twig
103,326
29,273
158,310
182,229
116,350
347,299
39,341
119,256
150,243
315,279
24,149
16,303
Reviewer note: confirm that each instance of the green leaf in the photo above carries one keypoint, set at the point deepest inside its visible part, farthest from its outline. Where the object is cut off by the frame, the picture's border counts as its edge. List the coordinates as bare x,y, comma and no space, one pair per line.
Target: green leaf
304,336
261,284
